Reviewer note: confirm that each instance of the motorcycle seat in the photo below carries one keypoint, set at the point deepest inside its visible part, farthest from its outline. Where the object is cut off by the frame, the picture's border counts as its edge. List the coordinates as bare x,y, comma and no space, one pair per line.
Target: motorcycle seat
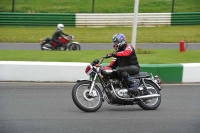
141,75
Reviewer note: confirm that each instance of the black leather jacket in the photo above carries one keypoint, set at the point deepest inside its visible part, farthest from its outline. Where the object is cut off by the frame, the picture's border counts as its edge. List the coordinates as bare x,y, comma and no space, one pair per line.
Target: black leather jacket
58,33
125,57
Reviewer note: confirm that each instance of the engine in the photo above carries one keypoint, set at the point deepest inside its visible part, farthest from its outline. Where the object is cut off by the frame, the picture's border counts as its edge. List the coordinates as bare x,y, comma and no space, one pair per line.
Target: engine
120,89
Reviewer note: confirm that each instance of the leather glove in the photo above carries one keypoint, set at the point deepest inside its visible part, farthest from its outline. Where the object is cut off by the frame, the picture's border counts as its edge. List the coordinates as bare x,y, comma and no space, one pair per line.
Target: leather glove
109,55
114,54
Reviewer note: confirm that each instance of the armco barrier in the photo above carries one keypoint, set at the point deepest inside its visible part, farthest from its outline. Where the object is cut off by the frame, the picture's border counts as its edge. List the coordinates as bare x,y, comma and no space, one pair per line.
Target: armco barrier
98,19
122,19
191,18
37,19
70,72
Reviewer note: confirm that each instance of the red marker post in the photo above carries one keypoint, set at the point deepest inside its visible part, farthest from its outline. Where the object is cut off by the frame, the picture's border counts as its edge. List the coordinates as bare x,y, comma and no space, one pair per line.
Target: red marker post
182,45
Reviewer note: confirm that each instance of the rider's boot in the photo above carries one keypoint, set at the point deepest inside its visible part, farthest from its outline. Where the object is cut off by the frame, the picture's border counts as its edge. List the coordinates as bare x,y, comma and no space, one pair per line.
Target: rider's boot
133,85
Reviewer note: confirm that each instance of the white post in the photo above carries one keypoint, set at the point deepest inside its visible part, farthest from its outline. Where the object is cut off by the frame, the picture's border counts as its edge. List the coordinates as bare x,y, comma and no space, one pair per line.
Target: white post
134,29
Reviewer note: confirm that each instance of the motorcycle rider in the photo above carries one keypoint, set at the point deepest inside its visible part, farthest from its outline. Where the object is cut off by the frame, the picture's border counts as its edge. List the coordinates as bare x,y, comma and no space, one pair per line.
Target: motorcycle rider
58,33
126,60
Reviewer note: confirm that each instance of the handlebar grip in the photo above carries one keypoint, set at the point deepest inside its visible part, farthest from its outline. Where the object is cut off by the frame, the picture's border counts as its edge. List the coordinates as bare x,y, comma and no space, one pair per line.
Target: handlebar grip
107,57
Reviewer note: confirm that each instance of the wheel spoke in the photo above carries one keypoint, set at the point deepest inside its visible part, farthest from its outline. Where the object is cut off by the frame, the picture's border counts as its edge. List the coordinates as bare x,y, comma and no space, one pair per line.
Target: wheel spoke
86,100
151,101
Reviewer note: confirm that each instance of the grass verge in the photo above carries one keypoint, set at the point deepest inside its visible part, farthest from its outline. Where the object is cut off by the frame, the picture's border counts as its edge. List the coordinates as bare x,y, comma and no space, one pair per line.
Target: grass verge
158,56
169,34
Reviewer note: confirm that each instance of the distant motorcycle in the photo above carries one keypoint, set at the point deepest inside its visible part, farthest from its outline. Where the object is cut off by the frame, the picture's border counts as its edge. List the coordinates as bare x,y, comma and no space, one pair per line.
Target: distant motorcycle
48,44
88,96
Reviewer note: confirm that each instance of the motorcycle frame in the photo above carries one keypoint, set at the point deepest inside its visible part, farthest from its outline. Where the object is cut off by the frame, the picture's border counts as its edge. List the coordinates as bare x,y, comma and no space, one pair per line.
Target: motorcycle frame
97,73
65,41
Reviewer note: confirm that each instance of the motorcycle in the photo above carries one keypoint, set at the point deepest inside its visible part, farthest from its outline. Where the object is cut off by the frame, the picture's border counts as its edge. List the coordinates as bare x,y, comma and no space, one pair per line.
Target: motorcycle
48,44
88,96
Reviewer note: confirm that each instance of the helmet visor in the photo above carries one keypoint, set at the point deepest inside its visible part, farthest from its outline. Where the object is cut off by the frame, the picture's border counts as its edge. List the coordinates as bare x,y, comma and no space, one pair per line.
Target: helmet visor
115,46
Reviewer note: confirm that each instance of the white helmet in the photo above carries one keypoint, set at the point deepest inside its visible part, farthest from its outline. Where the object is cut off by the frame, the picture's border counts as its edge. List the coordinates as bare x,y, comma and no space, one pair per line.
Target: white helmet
60,26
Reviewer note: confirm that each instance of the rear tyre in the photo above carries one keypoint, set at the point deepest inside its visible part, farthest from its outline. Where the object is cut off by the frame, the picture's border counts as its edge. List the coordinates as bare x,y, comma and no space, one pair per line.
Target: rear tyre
85,102
42,46
46,45
151,103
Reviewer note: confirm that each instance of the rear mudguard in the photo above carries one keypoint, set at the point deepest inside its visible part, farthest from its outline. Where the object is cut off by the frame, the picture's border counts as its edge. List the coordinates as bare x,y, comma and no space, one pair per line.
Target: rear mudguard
149,79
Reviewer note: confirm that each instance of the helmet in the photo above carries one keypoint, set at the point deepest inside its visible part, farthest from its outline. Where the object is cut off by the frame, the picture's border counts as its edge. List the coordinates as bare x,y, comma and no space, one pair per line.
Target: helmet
119,41
60,26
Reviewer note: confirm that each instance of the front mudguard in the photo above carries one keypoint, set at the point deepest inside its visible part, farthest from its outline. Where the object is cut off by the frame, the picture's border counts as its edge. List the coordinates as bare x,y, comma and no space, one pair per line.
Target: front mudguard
75,43
80,80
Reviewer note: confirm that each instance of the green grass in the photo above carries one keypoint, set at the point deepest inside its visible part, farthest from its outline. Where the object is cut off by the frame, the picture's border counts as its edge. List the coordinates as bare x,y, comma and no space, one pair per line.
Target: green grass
101,6
103,35
158,57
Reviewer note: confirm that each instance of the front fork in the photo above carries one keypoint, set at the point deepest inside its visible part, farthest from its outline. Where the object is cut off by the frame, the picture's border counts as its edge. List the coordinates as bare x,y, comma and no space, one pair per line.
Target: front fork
91,92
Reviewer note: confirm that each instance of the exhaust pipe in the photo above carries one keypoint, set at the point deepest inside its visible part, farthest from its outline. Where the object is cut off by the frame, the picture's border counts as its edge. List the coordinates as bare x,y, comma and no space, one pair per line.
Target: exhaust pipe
148,96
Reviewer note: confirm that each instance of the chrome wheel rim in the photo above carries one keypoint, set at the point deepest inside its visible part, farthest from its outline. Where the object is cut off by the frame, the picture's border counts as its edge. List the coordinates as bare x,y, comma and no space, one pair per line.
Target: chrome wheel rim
151,101
82,94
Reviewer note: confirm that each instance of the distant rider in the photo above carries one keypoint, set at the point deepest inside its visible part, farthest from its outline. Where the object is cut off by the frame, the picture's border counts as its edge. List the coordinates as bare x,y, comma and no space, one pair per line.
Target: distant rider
126,61
58,33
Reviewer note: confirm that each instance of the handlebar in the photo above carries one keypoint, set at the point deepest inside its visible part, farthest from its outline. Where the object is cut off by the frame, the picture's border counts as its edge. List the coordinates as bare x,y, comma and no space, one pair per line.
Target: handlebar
99,61
107,57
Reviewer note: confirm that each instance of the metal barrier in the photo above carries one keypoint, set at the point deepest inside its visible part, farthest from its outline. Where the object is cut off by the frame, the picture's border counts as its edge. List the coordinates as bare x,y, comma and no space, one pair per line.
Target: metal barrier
122,19
192,18
98,19
36,19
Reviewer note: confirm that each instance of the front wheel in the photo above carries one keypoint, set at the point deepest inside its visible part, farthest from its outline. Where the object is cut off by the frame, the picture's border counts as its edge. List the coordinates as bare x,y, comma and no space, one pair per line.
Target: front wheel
74,46
82,99
151,103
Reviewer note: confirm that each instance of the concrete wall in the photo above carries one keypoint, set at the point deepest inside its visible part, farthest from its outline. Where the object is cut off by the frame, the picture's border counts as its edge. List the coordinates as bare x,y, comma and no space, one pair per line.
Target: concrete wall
70,72
42,71
191,72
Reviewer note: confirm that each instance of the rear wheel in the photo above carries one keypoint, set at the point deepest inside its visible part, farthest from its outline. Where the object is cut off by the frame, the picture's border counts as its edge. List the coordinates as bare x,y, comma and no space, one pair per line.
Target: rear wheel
42,46
46,46
151,103
82,99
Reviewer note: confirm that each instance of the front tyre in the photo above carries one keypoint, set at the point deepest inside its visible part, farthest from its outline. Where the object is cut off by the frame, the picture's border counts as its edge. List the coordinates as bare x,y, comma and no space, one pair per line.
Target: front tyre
81,98
151,103
74,46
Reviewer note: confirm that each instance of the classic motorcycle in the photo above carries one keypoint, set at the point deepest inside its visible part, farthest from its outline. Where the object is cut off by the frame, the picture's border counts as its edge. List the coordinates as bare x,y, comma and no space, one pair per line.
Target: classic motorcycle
48,44
88,96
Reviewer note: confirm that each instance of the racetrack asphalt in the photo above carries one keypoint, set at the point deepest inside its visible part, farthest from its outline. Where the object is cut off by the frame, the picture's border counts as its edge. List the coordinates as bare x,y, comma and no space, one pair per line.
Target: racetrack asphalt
27,107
